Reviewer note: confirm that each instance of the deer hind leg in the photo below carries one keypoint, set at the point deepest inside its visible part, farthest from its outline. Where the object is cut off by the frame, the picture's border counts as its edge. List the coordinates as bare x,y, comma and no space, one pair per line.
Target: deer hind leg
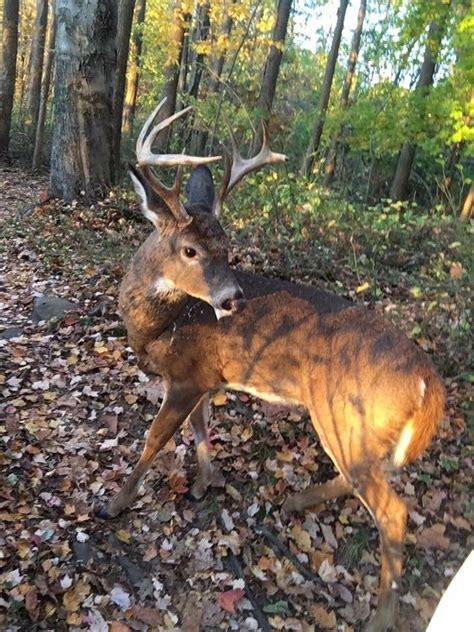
318,494
199,421
390,515
177,405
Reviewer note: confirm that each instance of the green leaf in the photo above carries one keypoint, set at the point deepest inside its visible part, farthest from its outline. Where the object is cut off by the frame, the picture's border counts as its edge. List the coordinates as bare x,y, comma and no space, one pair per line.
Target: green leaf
279,607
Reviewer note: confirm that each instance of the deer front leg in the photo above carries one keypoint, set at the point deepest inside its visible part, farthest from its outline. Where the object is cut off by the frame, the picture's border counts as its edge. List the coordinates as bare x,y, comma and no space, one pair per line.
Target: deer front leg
199,419
317,494
390,515
178,403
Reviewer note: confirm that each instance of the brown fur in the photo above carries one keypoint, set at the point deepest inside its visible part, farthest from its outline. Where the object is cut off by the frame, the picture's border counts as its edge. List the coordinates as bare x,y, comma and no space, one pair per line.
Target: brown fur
368,388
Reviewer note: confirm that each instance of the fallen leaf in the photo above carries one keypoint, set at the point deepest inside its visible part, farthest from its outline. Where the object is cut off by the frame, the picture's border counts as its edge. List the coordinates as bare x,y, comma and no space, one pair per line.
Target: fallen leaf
219,399
229,598
117,626
123,536
433,537
120,597
327,620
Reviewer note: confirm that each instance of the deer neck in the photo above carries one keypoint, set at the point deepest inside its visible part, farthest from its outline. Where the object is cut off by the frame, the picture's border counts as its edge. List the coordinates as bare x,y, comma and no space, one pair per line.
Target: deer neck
148,303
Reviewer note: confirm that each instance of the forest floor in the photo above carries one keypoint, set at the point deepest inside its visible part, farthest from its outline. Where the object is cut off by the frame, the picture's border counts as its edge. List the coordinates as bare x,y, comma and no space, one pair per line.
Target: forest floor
75,408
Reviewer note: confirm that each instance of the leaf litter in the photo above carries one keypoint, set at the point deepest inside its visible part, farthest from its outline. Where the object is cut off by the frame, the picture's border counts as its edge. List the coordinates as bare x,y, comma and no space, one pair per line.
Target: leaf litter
73,414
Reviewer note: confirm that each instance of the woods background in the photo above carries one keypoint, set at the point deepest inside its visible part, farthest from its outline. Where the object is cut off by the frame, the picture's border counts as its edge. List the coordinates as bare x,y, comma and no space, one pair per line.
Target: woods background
372,100
377,108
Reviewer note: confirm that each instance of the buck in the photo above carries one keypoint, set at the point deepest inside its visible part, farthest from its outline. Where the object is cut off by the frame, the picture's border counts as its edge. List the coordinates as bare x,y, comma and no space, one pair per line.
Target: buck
372,394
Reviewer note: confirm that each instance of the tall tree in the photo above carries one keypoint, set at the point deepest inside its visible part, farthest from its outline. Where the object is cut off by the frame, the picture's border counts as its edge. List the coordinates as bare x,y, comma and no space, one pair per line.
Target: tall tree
45,86
82,153
346,89
399,189
124,29
8,70
134,70
170,87
218,63
200,34
36,65
214,78
315,139
272,68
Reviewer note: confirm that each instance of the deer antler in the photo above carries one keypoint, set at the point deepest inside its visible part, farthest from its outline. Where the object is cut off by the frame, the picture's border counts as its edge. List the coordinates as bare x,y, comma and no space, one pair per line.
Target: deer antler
239,167
147,159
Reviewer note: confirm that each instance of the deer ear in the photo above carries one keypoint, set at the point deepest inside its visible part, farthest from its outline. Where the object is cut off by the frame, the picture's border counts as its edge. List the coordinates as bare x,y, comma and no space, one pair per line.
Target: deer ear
200,188
145,195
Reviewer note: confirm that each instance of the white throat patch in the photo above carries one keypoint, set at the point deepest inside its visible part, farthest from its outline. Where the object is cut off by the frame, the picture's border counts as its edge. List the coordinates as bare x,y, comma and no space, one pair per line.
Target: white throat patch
163,285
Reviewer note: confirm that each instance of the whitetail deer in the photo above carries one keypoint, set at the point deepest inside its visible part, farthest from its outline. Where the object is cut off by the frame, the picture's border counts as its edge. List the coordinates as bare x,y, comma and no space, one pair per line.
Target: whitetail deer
370,391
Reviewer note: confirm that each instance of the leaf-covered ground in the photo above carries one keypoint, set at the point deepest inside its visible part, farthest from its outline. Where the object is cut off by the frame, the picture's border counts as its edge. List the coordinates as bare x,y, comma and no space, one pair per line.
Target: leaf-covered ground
75,408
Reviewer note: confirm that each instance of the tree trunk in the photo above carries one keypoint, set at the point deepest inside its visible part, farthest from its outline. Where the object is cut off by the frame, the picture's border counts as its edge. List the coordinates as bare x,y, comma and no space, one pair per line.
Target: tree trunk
201,34
214,81
45,85
124,29
36,66
468,206
8,70
272,68
399,189
218,63
346,89
170,87
315,139
82,151
134,71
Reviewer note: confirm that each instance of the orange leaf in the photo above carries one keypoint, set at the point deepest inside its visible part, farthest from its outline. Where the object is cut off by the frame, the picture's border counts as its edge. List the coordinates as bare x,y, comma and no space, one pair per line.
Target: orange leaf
229,598
326,620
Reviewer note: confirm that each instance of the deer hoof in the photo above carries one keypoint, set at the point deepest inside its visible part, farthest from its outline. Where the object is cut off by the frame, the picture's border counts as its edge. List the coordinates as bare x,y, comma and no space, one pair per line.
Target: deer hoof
103,514
290,505
108,512
194,495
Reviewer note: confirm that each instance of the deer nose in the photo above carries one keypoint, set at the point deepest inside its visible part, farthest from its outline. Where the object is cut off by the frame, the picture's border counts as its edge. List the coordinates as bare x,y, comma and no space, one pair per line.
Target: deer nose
234,302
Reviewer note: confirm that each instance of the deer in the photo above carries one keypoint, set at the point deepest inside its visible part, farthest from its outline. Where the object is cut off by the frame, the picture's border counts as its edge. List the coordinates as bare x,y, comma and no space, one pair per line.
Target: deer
374,398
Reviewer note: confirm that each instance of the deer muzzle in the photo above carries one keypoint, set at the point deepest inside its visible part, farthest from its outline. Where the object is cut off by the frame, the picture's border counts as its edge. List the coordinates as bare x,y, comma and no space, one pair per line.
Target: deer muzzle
229,303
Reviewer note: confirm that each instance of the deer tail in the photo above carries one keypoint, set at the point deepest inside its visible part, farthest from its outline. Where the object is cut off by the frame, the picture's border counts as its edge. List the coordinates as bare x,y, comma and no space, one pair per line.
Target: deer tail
417,433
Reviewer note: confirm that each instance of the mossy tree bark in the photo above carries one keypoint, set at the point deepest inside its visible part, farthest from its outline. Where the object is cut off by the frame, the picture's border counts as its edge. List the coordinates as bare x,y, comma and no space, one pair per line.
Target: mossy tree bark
8,70
82,147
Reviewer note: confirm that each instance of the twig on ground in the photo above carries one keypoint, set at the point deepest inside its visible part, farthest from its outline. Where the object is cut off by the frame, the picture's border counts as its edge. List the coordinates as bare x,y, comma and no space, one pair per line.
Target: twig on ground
236,568
279,547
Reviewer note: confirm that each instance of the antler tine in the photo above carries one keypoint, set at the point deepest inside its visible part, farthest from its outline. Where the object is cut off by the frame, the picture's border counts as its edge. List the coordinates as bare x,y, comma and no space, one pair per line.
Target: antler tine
147,159
146,127
242,166
145,155
170,195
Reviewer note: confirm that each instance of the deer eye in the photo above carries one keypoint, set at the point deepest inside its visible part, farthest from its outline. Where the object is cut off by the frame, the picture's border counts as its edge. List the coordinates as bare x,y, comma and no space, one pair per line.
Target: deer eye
190,253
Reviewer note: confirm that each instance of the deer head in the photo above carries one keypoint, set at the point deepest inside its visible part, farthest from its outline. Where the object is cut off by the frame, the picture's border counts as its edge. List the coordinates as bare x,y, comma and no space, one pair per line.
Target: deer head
188,252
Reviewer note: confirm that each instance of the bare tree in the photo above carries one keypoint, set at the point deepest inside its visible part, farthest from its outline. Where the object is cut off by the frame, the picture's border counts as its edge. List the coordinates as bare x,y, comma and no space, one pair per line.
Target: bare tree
124,29
36,66
82,153
399,189
8,70
45,86
315,139
272,68
134,70
346,89
170,87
